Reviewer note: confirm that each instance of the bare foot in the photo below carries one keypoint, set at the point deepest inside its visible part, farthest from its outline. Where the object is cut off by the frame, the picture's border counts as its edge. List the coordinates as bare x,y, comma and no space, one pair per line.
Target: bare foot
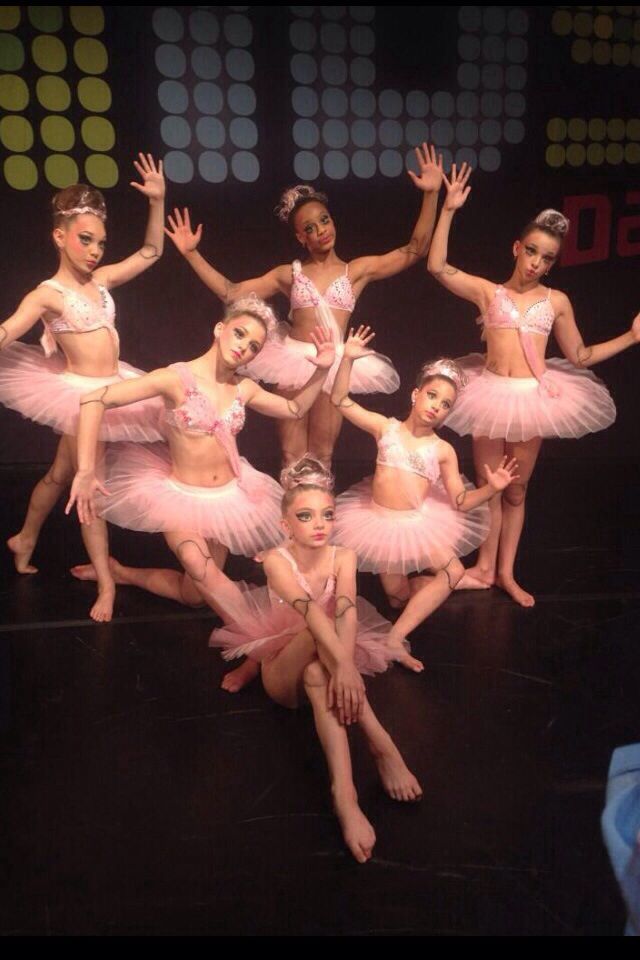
358,833
467,582
237,679
22,549
397,779
509,585
402,655
102,610
87,571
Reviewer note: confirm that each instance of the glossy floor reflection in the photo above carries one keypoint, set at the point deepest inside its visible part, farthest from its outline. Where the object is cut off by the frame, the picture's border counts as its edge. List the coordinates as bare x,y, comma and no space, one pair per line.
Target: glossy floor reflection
139,798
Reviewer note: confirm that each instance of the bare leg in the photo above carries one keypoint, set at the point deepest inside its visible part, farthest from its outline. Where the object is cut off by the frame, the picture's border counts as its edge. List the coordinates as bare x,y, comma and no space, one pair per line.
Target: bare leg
421,605
325,423
513,500
163,582
292,673
483,573
294,435
213,586
44,497
397,779
96,541
397,589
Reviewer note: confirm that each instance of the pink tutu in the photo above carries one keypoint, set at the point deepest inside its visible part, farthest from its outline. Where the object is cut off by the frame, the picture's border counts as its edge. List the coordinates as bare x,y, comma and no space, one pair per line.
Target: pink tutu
518,408
143,495
406,541
269,624
41,389
284,362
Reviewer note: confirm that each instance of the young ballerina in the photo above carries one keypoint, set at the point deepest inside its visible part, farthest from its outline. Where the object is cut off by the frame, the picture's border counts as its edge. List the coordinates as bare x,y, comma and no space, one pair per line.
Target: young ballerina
415,513
79,352
324,290
314,638
514,398
196,490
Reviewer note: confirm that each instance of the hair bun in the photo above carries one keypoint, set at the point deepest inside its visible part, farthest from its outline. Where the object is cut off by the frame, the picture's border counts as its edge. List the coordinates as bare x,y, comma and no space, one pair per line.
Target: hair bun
553,221
291,198
307,472
443,368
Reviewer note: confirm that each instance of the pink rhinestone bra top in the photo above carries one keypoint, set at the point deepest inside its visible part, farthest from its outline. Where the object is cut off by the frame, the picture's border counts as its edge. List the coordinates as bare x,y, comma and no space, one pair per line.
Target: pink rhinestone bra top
392,453
503,313
304,293
196,413
80,314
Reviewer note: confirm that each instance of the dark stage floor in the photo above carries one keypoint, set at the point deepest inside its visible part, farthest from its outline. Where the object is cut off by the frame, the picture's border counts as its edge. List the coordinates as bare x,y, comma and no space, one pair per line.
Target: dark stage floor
139,798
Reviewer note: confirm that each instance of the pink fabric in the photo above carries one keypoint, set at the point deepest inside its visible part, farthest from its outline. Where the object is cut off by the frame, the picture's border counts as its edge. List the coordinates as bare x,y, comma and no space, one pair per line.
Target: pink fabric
80,314
538,318
304,293
392,453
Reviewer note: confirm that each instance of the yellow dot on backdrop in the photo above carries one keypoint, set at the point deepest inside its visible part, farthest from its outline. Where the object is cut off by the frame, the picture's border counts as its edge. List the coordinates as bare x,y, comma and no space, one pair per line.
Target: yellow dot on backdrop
11,52
49,54
91,55
597,128
576,154
595,154
603,27
61,171
14,93
581,51
98,133
561,23
615,153
20,173
47,19
53,93
632,153
577,128
16,134
555,155
94,94
9,18
557,129
57,133
583,24
621,54
633,129
87,20
101,171
601,53
616,129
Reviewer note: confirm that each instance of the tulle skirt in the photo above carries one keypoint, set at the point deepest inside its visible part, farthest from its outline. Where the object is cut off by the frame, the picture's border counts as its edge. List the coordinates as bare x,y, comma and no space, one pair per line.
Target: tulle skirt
143,495
406,541
519,408
269,624
41,389
285,362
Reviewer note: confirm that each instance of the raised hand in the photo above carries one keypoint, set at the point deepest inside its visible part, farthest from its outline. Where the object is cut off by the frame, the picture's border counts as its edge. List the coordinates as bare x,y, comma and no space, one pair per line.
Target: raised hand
503,476
429,176
153,185
356,343
325,348
179,230
457,189
83,490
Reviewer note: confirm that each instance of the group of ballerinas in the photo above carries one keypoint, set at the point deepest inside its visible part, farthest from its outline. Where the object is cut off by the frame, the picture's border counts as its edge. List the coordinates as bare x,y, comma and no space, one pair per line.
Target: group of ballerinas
172,463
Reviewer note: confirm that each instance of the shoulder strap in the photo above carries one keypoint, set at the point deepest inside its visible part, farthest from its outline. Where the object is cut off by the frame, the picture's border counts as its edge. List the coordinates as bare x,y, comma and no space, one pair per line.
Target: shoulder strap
187,378
296,267
296,572
53,283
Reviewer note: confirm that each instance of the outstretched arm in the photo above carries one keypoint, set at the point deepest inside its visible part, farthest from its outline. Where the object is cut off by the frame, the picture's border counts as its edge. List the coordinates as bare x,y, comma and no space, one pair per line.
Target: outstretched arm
363,270
152,187
186,241
571,343
355,346
40,301
465,500
346,689
464,285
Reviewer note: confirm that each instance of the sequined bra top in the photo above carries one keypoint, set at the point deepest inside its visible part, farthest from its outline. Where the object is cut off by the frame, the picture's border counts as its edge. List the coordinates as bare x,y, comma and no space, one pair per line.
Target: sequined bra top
392,453
503,313
304,293
196,413
80,314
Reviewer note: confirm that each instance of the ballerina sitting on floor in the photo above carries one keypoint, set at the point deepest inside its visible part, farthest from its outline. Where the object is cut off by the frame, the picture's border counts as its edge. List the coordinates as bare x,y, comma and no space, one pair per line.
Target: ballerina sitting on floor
314,638
416,513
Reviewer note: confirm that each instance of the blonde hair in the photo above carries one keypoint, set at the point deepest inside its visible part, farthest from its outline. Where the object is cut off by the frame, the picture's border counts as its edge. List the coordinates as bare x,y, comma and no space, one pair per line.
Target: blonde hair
306,474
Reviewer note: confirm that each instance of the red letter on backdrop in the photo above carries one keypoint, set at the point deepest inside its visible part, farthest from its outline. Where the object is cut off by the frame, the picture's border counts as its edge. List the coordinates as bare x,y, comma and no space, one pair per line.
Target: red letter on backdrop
574,207
627,247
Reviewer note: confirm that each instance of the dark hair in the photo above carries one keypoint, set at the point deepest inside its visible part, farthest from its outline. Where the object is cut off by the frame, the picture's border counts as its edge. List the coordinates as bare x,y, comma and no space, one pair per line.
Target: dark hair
551,222
77,199
294,198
